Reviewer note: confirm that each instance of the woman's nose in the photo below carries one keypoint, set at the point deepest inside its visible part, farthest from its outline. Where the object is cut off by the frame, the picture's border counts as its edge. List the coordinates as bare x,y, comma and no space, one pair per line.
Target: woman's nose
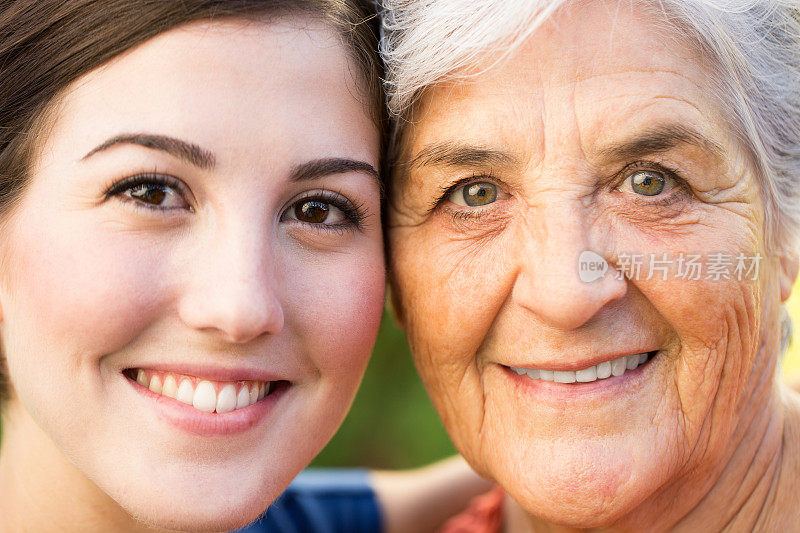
563,276
233,290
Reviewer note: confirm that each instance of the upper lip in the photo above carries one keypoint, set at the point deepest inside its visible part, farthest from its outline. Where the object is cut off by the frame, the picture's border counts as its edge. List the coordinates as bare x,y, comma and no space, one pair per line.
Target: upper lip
215,372
579,364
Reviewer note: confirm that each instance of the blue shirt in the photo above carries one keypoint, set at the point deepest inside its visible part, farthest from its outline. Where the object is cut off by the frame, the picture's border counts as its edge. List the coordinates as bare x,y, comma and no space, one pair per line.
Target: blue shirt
323,501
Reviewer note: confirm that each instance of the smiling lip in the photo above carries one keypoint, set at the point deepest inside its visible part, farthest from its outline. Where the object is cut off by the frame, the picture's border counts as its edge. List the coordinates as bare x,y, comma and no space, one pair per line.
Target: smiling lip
215,373
191,420
557,393
566,366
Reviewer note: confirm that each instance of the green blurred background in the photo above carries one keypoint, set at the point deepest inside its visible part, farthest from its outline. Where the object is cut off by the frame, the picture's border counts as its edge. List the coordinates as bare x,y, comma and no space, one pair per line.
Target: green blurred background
392,423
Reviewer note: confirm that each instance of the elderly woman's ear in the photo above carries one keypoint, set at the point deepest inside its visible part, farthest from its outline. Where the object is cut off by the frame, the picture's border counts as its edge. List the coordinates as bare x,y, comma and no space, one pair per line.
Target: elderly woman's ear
788,273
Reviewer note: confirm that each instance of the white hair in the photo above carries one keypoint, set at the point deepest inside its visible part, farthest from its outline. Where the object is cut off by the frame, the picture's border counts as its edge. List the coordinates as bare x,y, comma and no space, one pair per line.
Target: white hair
753,47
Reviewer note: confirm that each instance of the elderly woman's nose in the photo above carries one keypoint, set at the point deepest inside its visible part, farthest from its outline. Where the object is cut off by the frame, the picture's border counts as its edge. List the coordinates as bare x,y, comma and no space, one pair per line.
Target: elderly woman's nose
231,290
562,278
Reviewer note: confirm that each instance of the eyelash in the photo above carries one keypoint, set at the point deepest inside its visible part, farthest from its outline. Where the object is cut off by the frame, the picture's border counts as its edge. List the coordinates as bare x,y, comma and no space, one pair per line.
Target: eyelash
148,178
681,188
355,213
445,193
624,174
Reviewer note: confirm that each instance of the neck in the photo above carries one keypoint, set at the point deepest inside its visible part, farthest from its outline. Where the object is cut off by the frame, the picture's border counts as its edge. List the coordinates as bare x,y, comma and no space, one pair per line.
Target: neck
755,489
747,492
43,491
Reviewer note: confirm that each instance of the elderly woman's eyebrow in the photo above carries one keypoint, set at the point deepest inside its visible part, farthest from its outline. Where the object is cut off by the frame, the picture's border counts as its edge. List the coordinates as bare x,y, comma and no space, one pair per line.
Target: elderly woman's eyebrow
661,138
178,148
462,155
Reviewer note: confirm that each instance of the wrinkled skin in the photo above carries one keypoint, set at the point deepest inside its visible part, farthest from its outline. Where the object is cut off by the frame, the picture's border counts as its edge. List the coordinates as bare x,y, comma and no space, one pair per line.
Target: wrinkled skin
484,287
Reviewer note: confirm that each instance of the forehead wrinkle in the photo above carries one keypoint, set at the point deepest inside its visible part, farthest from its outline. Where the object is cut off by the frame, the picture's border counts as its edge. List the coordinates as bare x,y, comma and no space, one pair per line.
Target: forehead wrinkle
662,121
564,143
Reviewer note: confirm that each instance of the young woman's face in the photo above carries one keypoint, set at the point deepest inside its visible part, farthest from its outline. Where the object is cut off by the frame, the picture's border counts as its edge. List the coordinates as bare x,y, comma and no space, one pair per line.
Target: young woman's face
203,215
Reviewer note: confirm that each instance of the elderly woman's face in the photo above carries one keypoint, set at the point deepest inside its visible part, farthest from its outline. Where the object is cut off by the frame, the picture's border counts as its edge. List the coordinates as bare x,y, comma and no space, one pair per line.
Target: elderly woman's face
202,218
583,141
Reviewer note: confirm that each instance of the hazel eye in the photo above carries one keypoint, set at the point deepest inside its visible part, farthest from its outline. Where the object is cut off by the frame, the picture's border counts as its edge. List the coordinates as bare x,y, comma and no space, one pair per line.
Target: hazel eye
474,194
648,182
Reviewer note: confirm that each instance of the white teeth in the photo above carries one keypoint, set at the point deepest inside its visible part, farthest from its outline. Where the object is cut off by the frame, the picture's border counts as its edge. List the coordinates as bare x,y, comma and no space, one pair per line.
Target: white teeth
170,387
604,370
243,398
155,384
185,392
226,399
587,375
205,397
560,376
253,393
618,366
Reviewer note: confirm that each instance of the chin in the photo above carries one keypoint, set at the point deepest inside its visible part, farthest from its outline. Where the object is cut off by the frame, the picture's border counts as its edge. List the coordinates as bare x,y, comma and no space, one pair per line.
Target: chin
195,522
193,512
585,508
586,485
194,495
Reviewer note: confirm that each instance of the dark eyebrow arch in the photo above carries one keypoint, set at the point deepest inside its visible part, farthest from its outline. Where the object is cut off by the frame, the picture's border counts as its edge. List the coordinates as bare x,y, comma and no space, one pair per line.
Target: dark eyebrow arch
183,150
661,139
462,155
319,168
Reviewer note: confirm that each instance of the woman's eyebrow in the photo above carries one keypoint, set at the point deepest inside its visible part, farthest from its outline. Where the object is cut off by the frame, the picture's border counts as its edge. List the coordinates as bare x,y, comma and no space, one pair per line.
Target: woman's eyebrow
204,159
661,138
183,150
319,168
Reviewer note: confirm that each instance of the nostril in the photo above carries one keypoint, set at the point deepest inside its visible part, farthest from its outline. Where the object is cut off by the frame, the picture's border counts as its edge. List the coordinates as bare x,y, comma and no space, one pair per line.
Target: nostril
232,313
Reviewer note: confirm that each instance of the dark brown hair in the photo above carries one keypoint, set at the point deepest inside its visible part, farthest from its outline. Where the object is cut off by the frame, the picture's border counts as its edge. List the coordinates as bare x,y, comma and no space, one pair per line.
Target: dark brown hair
45,45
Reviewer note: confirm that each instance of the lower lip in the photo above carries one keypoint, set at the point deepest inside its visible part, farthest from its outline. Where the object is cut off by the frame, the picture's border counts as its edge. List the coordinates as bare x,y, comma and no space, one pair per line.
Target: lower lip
187,418
598,390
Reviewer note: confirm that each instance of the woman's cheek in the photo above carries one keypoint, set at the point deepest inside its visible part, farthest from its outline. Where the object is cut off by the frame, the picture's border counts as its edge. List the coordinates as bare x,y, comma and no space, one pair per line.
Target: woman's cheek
94,287
429,272
713,323
449,292
334,304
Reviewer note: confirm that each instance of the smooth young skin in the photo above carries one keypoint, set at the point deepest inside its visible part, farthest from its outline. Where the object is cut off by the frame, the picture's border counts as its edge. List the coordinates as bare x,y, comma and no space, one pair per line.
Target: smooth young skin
704,438
219,273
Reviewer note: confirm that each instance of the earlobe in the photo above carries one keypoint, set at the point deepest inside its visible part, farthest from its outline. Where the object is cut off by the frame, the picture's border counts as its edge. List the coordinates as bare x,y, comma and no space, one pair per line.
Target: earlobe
788,274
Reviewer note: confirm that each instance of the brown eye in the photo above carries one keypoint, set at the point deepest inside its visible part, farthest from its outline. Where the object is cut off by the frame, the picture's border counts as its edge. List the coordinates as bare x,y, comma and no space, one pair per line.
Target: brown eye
475,194
311,211
323,210
647,182
152,191
149,194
